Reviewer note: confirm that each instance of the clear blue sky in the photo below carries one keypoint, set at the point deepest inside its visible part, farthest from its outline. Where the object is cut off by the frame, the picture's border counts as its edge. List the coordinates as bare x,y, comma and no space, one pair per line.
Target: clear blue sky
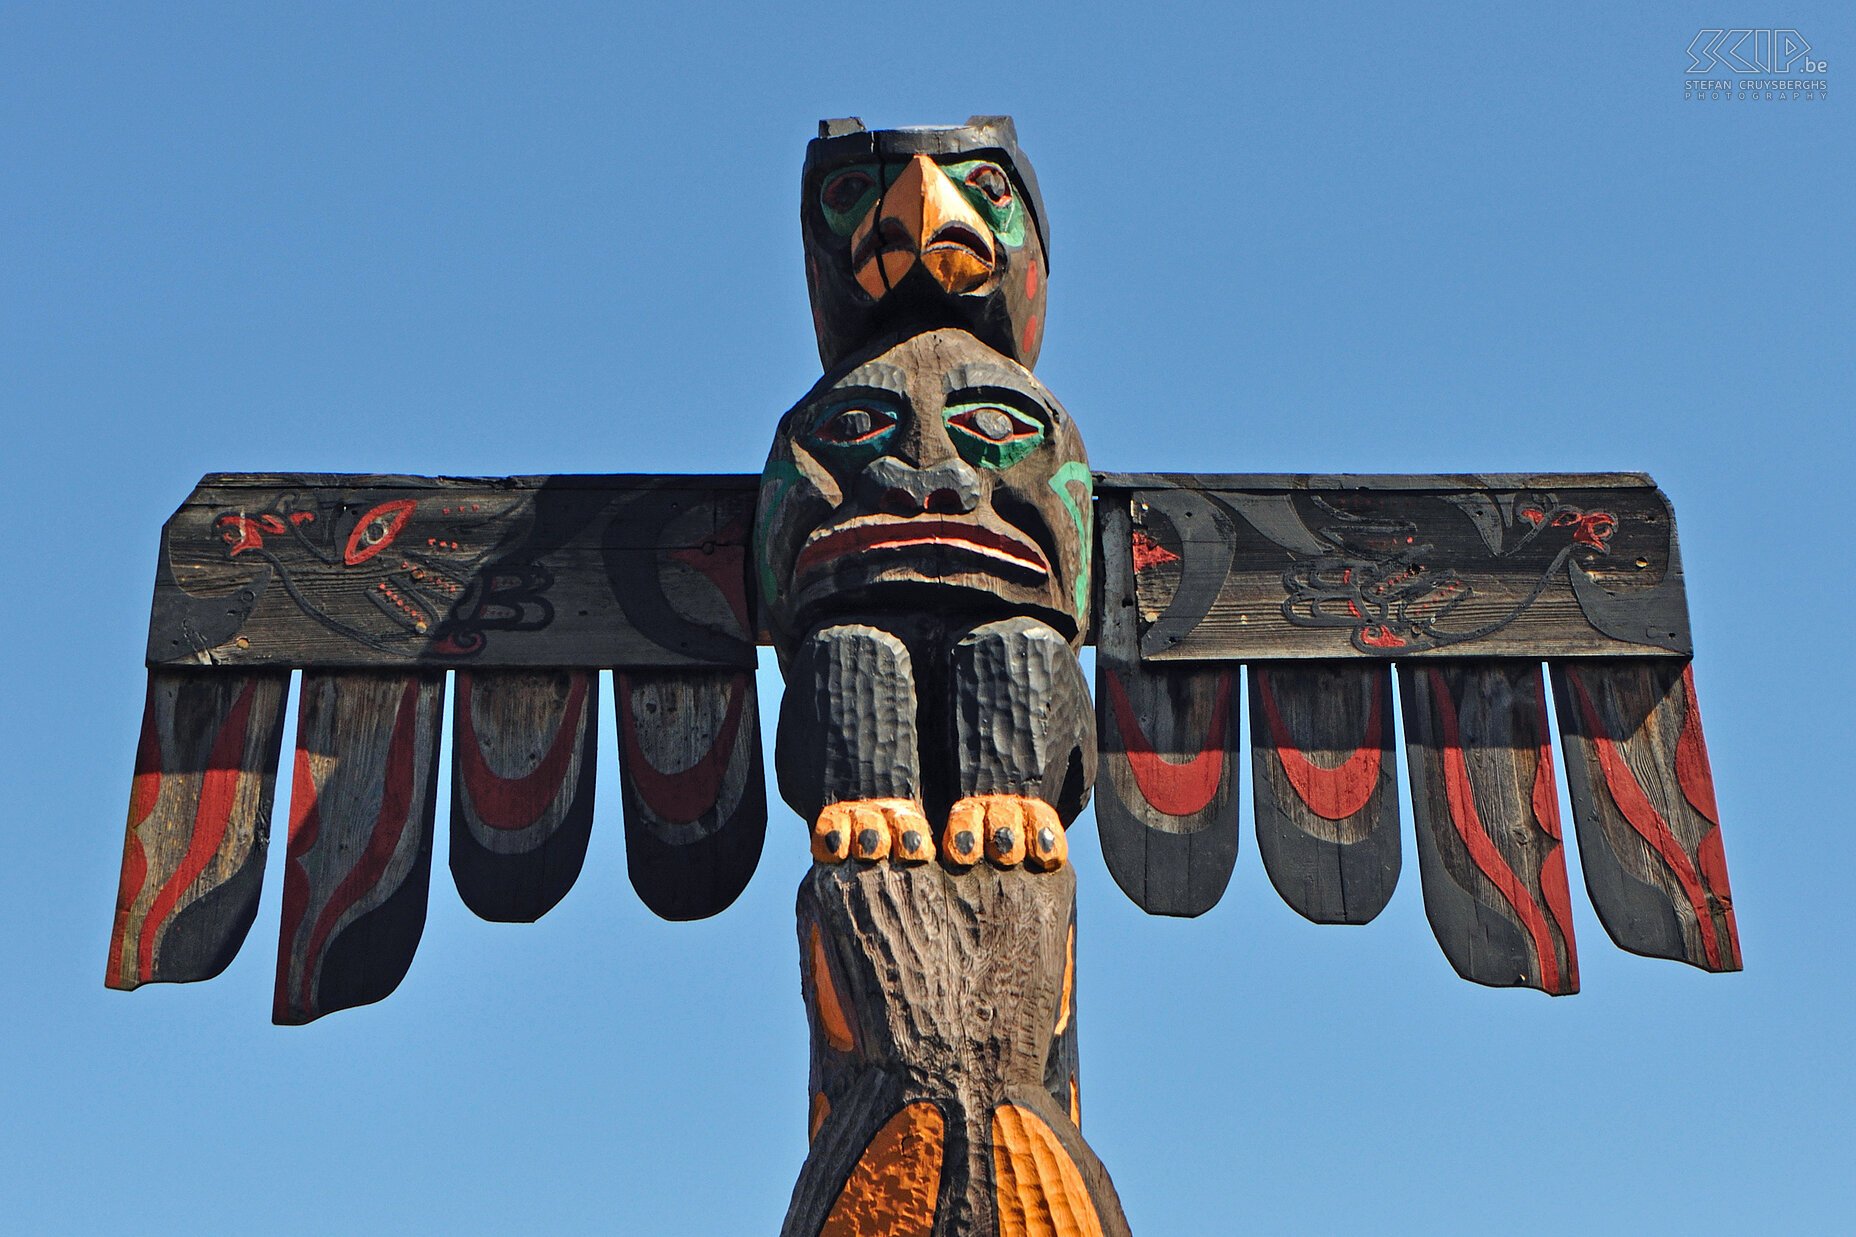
515,239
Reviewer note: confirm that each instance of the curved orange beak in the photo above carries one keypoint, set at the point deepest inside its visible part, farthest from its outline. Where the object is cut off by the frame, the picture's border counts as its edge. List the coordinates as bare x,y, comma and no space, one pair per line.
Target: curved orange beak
923,218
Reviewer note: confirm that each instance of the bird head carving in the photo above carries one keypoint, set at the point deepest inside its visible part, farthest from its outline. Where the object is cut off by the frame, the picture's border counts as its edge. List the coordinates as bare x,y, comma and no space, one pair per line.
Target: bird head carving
933,474
930,227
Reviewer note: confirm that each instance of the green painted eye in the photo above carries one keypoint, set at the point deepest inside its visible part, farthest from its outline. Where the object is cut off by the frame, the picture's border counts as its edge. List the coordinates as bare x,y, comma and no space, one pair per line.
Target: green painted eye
989,189
992,435
848,194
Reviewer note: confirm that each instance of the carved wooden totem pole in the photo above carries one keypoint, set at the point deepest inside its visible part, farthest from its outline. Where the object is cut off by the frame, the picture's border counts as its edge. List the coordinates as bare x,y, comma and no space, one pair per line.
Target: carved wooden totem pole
926,551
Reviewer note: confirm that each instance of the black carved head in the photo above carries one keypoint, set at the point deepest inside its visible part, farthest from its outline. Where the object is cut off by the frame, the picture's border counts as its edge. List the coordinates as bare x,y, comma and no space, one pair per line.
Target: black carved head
912,229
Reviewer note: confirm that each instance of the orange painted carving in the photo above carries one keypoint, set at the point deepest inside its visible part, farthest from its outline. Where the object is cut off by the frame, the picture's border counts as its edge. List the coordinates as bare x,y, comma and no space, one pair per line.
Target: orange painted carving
831,1017
1041,1190
1069,982
891,1192
821,1108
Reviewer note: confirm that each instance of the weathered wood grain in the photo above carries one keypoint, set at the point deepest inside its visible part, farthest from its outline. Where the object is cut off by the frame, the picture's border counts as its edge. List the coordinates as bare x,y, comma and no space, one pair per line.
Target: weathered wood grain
524,746
848,728
1321,740
199,822
593,571
951,988
1167,795
691,770
1021,726
360,851
1643,803
540,572
1487,810
1403,566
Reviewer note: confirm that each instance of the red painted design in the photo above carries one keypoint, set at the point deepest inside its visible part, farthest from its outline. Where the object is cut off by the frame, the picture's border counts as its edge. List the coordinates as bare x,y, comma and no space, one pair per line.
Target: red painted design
1483,851
1714,872
1030,335
241,533
144,793
1380,637
1149,553
1693,772
895,534
1592,528
517,802
1332,794
1628,793
1031,280
1174,789
212,816
682,796
383,839
723,563
1554,889
376,529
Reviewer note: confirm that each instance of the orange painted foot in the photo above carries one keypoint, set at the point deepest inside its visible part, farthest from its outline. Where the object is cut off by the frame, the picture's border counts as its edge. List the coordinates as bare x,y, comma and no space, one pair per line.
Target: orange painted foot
872,829
1007,829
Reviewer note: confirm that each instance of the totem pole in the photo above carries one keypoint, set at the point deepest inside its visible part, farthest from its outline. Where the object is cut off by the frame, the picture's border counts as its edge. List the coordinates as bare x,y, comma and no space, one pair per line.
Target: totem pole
926,551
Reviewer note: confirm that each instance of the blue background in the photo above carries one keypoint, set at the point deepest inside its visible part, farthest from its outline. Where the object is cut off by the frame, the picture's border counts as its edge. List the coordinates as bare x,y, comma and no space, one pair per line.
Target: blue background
513,239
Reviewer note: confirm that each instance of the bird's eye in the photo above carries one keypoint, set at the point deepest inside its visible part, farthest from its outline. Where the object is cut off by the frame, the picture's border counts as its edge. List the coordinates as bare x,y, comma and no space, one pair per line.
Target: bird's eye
854,424
846,189
376,529
990,179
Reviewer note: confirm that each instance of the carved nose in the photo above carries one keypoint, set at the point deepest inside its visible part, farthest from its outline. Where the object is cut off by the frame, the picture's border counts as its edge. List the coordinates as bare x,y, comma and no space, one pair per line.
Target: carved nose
950,487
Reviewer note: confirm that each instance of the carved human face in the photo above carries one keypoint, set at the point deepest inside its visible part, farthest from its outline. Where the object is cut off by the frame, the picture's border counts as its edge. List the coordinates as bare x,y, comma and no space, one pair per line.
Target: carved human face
937,474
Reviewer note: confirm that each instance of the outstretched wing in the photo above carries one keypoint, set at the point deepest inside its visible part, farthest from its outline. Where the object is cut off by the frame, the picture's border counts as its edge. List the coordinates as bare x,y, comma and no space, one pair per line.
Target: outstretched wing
1324,587
374,588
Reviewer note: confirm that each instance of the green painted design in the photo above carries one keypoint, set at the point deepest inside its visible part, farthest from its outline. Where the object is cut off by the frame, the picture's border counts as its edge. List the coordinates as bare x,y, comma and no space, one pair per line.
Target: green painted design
775,481
1007,217
967,423
1076,473
848,194
853,445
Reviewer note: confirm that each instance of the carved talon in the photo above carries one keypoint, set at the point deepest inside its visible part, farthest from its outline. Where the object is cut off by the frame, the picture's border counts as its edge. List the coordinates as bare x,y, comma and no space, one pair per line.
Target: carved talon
871,829
1007,829
1047,849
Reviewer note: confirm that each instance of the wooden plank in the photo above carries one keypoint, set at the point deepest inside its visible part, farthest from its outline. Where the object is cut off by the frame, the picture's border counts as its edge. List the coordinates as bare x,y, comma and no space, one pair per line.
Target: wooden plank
1321,738
1407,567
1643,803
1167,782
360,852
538,572
691,770
1488,827
199,822
524,746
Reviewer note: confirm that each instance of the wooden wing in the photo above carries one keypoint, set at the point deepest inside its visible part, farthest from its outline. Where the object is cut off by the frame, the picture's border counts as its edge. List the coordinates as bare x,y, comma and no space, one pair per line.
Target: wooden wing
1318,589
374,588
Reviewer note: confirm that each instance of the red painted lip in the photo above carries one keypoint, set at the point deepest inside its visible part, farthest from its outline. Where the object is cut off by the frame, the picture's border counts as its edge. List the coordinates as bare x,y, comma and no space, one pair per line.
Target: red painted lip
890,534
